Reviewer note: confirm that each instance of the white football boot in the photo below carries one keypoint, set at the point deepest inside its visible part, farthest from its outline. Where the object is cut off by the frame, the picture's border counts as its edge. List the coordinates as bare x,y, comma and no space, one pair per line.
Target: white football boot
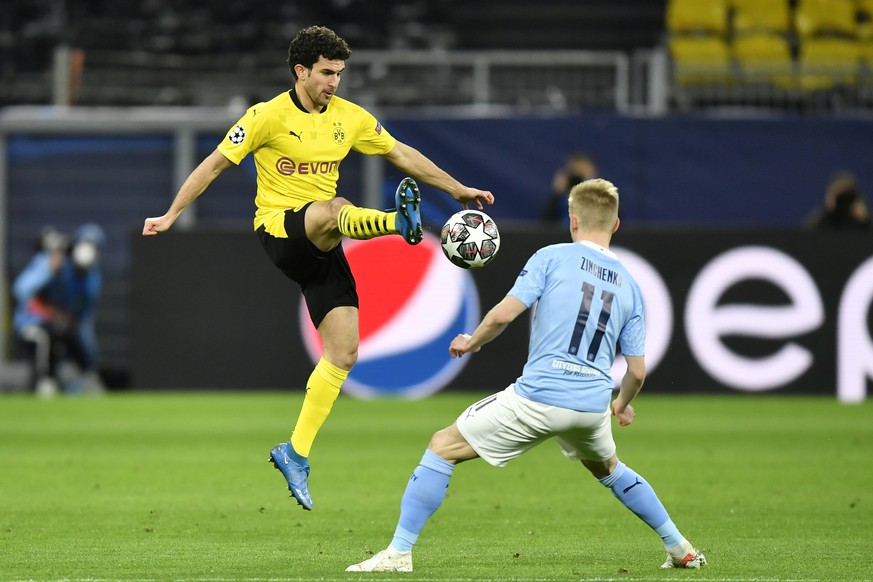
385,561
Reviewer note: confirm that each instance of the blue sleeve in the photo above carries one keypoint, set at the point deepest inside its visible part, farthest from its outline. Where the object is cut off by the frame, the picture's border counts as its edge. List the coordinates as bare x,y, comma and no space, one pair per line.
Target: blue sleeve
531,282
34,277
632,337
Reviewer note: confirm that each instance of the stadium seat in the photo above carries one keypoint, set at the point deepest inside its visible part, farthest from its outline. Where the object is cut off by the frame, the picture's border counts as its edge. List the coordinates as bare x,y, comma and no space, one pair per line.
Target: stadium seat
700,60
697,17
752,16
827,62
763,57
826,18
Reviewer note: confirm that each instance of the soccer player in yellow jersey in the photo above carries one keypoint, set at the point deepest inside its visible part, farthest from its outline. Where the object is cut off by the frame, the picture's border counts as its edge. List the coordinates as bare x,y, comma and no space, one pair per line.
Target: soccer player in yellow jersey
298,140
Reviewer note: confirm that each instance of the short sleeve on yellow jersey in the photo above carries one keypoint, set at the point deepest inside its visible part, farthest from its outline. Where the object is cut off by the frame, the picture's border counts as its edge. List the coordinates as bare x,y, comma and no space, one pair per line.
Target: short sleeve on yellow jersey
241,138
373,139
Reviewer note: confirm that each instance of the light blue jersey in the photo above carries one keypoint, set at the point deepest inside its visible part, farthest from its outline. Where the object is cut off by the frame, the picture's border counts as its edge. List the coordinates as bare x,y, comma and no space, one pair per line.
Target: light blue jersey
587,303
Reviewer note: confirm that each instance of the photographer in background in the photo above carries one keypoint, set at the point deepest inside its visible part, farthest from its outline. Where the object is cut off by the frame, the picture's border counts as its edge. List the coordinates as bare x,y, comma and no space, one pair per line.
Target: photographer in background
578,167
55,299
844,206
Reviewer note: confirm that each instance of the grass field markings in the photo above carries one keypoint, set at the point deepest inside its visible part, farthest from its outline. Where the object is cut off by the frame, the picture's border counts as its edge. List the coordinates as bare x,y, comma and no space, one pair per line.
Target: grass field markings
376,576
151,458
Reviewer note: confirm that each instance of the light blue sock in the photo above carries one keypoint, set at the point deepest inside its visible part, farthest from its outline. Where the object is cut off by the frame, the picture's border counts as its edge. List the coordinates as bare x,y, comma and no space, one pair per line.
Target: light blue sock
638,496
423,496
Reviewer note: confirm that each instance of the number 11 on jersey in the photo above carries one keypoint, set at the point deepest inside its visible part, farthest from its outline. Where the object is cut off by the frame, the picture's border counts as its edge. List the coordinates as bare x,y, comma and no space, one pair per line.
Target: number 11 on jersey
582,320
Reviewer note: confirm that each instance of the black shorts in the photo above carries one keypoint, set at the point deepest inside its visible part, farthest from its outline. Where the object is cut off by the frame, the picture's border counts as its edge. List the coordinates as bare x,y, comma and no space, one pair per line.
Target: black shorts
324,277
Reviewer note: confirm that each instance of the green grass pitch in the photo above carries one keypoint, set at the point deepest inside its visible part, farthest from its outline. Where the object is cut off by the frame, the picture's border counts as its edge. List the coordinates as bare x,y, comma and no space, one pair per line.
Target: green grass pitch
178,487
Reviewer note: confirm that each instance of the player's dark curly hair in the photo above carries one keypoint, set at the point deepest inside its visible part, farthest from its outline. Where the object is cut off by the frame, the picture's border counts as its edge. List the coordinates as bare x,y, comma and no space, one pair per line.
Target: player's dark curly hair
314,42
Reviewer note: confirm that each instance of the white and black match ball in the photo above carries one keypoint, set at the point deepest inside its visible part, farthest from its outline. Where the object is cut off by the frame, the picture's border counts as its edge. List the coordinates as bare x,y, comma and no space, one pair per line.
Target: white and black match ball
470,239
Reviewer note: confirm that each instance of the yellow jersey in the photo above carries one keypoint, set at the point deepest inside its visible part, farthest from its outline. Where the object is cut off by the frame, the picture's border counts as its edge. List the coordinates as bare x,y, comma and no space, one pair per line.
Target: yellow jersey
297,153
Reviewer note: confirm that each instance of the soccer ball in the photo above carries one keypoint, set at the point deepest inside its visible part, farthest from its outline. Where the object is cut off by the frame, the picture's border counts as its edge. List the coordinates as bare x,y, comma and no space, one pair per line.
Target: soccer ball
470,239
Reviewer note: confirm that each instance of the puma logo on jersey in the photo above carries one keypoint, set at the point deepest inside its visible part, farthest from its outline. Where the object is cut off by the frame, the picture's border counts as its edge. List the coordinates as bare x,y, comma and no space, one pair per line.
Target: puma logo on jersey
297,135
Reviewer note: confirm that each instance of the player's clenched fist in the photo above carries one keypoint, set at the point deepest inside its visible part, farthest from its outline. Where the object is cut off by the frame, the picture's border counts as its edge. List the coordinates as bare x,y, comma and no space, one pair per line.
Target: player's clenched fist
460,345
626,416
153,226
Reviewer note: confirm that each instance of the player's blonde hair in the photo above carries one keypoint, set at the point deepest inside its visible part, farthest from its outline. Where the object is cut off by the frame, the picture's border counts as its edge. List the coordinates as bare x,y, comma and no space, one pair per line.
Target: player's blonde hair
594,203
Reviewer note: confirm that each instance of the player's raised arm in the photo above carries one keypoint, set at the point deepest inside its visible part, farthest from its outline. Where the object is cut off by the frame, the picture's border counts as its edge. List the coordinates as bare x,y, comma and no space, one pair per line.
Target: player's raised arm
493,324
196,183
419,166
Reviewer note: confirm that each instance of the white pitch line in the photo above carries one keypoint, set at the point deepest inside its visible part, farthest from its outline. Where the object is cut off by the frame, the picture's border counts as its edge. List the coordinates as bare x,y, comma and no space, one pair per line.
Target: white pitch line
441,579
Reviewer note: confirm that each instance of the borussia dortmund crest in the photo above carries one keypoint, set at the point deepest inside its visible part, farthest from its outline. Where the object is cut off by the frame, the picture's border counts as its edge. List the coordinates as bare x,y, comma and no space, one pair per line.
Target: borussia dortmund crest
339,136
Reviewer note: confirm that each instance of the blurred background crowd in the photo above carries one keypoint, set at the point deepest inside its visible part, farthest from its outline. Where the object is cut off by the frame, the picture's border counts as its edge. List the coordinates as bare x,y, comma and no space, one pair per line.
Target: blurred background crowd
799,53
153,45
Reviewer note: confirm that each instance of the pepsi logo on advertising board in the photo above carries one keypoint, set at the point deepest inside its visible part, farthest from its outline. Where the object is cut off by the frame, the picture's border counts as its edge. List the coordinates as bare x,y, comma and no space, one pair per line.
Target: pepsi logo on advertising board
413,302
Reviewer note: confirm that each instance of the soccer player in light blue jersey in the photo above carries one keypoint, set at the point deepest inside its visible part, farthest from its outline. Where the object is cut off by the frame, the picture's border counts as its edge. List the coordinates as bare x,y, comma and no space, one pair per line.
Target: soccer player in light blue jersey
586,304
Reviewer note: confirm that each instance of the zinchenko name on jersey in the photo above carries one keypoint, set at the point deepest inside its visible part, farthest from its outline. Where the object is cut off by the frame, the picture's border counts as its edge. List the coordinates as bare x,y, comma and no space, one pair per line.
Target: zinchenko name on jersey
601,273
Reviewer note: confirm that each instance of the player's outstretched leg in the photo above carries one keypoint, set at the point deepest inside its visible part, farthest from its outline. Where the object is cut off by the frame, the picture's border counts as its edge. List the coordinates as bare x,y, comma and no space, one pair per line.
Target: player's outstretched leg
638,496
295,469
407,201
365,223
424,494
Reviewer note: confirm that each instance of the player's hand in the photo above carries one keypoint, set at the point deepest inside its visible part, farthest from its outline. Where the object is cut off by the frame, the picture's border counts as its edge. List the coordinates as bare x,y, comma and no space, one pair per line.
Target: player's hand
475,196
158,224
461,345
626,416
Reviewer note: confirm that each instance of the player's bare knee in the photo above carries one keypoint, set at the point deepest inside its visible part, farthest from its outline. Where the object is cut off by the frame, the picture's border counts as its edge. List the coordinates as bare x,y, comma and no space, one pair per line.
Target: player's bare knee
451,445
601,469
344,359
441,441
336,204
341,354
